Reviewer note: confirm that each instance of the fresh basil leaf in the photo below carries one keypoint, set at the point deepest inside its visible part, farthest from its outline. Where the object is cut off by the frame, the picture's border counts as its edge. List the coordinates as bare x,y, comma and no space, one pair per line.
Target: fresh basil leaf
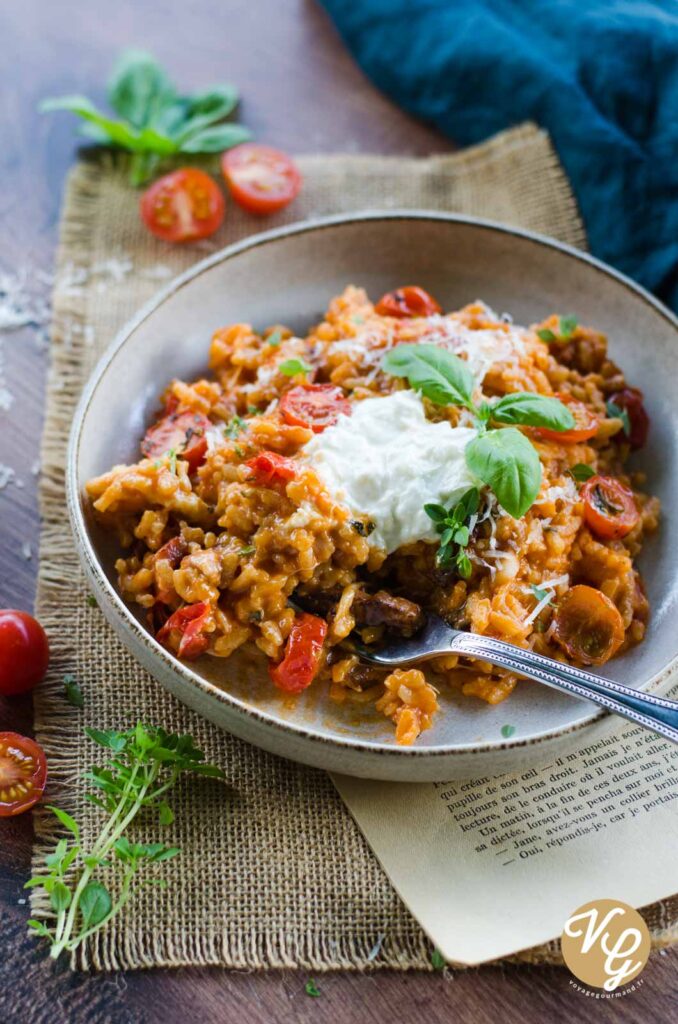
216,139
581,472
531,410
616,412
568,325
205,108
95,904
118,132
439,375
438,513
292,367
507,462
154,142
546,335
139,88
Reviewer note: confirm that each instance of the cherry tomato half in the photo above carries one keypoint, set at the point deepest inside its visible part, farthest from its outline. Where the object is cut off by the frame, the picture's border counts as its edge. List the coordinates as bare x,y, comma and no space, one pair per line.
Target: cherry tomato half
23,773
411,300
631,399
588,626
609,507
24,652
189,623
586,424
261,179
183,206
303,654
271,468
183,432
314,405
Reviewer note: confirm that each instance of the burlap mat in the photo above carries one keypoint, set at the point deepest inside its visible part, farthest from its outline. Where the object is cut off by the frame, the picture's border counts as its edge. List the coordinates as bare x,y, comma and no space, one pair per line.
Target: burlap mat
273,871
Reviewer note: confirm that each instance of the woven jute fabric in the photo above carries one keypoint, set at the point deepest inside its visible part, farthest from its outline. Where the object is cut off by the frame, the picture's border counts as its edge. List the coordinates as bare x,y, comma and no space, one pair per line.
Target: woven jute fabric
273,872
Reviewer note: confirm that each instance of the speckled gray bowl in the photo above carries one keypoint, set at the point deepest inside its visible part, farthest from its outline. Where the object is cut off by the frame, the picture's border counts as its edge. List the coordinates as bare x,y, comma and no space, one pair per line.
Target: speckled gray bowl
288,276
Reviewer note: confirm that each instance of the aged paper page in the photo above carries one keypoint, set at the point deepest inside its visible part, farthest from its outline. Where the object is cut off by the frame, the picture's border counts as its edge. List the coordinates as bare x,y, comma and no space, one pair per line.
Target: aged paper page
495,865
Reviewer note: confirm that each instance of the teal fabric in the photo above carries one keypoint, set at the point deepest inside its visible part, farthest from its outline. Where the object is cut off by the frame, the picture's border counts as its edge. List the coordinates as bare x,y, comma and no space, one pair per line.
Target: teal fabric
600,75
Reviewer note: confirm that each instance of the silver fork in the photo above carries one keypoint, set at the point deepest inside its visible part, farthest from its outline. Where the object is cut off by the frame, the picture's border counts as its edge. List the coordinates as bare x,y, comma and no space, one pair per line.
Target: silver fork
436,638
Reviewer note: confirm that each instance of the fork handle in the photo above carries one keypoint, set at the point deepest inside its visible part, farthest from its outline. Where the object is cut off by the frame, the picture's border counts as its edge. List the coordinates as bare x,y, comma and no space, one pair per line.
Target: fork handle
655,713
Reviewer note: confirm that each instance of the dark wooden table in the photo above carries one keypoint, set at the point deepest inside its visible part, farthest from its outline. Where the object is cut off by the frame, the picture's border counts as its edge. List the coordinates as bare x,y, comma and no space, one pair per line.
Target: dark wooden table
300,91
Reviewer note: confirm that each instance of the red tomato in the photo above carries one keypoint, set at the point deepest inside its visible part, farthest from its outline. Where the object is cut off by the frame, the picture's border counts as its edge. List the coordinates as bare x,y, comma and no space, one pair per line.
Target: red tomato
183,206
173,552
408,301
314,405
23,773
588,626
586,424
183,432
271,468
189,621
631,399
261,179
303,654
609,507
24,652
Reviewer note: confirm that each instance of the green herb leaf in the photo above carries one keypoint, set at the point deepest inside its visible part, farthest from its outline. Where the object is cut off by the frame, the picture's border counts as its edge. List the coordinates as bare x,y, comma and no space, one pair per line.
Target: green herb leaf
618,413
507,462
507,731
532,410
438,513
95,904
216,139
92,601
540,594
139,88
248,550
202,109
39,927
118,132
293,367
546,335
235,427
439,375
60,896
438,961
274,339
165,813
568,325
107,738
66,820
581,472
311,989
73,692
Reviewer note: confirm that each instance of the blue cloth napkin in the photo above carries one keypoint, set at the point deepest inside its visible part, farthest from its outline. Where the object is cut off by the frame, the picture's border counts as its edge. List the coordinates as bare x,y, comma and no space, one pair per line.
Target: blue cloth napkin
600,75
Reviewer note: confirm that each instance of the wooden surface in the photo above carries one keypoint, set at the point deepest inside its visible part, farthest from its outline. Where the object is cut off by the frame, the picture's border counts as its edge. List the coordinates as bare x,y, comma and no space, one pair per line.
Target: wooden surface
300,91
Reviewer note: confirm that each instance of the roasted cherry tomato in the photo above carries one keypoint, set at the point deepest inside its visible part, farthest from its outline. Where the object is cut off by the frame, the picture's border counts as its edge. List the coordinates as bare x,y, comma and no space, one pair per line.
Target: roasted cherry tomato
586,424
314,405
271,468
609,507
183,206
173,552
23,773
183,433
261,179
411,300
24,652
303,654
189,621
588,626
631,399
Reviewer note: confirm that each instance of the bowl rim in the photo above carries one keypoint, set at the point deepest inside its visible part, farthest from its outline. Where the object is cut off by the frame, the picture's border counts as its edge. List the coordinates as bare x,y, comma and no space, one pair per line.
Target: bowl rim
123,616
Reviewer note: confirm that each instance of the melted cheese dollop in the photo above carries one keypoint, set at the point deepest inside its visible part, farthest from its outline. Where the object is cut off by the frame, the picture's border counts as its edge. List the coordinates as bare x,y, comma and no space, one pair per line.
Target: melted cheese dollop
387,461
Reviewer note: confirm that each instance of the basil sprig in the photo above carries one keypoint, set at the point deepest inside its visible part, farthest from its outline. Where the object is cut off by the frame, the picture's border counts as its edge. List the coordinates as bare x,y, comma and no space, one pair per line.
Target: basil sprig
503,459
155,121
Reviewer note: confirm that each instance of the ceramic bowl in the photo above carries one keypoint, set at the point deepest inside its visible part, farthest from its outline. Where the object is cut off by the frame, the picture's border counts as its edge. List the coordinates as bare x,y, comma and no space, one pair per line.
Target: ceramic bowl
288,276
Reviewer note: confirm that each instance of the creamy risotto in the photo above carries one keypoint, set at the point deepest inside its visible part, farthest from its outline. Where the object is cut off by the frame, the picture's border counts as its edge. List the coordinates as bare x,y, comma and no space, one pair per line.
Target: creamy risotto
393,461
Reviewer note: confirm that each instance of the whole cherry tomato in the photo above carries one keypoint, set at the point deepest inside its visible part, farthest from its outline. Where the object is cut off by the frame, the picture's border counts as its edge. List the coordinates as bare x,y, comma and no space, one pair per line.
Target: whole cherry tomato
631,399
261,179
24,652
183,206
410,300
609,507
183,433
23,773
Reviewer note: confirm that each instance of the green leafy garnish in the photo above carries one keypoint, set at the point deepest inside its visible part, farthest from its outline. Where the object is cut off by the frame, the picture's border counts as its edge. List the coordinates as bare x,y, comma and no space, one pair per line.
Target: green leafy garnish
235,426
439,375
452,525
145,765
507,731
567,325
508,463
581,472
293,367
532,410
616,412
438,962
540,594
249,550
73,692
274,338
92,601
154,120
311,989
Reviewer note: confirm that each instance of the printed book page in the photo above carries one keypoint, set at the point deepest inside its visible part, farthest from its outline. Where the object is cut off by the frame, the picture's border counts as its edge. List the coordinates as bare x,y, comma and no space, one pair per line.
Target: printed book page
496,865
